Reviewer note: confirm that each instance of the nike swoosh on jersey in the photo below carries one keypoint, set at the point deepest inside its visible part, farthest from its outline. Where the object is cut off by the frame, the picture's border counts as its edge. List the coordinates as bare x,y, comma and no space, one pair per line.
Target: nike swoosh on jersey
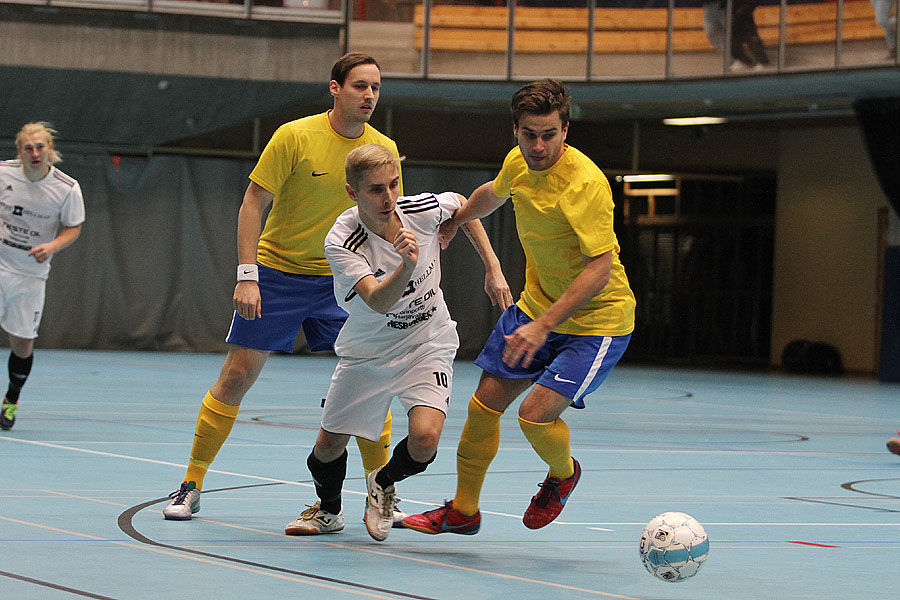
316,174
561,380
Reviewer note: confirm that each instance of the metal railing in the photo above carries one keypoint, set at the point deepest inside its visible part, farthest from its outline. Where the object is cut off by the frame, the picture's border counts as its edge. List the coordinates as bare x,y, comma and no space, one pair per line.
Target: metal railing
406,45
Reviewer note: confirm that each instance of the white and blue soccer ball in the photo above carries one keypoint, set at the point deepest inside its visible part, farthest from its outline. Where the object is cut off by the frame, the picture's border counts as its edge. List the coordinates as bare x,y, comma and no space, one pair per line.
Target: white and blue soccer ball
674,546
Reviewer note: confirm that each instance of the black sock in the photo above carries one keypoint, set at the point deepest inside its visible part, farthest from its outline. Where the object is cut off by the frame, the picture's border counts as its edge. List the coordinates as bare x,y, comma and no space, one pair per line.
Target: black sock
400,466
329,478
19,368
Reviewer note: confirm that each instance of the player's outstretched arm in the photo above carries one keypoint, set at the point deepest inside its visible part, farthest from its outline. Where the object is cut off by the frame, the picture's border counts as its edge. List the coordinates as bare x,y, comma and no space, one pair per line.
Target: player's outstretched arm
381,296
482,203
495,285
246,297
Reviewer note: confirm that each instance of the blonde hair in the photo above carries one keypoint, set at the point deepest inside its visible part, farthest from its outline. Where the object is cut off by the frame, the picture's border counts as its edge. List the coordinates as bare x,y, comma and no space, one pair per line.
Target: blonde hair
38,127
363,160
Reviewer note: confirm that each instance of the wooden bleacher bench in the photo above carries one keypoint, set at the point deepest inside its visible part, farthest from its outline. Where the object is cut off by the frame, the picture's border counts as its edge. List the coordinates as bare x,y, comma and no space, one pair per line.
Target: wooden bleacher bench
627,30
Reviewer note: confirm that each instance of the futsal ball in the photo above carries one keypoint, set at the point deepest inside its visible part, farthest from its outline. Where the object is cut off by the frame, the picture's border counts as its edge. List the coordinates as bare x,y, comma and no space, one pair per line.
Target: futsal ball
674,546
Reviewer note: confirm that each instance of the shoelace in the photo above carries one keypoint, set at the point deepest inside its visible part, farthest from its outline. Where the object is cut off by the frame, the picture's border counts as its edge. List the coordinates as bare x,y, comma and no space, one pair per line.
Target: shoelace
549,488
180,494
310,513
442,512
388,504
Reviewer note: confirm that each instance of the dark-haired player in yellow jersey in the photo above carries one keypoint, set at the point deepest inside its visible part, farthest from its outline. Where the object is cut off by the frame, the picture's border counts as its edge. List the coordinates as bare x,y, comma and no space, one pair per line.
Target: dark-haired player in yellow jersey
571,324
284,281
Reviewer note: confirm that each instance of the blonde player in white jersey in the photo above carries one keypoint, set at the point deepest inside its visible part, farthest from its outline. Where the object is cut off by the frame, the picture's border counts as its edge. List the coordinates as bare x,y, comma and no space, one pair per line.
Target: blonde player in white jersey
398,341
41,212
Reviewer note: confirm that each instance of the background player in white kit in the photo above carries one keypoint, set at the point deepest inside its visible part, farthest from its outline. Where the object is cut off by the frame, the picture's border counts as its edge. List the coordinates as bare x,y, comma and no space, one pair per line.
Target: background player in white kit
41,212
399,339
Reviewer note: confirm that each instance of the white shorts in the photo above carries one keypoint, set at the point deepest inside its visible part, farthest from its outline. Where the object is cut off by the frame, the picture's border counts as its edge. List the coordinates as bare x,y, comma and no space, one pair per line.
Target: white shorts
21,304
362,389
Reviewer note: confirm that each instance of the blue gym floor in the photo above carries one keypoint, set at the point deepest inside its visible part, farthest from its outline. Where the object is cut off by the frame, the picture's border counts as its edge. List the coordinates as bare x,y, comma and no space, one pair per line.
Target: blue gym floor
789,475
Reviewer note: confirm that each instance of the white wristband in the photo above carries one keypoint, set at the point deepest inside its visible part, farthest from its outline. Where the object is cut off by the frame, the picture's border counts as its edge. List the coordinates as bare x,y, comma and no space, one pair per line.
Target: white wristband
248,273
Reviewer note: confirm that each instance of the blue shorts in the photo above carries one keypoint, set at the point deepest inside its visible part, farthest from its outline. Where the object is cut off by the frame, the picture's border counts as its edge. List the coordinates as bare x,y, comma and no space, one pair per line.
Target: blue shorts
290,302
573,365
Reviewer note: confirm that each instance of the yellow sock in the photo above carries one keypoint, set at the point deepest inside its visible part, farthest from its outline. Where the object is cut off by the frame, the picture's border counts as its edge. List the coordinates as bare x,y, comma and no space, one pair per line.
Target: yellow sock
376,454
214,423
551,442
478,446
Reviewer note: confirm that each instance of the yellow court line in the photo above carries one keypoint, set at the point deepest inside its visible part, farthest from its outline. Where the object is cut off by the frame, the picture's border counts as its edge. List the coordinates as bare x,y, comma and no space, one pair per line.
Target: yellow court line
501,575
76,497
401,557
437,564
219,563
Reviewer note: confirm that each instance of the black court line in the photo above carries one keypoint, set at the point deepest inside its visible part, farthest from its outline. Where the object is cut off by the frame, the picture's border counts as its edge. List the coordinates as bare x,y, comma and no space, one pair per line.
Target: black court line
127,526
818,500
55,586
851,486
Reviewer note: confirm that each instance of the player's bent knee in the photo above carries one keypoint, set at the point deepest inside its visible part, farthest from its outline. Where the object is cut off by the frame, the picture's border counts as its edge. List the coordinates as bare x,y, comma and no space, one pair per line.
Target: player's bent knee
423,447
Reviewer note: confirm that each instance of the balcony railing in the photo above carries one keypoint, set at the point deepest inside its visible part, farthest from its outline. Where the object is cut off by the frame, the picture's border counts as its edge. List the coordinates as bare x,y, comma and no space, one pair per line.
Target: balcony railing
580,40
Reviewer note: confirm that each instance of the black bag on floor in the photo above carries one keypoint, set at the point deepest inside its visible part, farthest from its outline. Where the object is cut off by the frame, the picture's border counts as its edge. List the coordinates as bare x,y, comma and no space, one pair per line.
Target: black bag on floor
817,358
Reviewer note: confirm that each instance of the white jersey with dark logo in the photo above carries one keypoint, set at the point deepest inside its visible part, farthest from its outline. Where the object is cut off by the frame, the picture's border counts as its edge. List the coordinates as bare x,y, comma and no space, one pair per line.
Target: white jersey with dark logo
31,213
421,314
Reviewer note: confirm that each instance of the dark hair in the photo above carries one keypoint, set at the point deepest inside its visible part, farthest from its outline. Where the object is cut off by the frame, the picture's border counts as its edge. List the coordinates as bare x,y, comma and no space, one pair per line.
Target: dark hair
345,64
541,98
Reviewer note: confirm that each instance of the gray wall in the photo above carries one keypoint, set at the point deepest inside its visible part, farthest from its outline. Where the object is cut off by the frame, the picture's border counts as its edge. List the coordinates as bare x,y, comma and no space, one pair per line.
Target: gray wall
827,245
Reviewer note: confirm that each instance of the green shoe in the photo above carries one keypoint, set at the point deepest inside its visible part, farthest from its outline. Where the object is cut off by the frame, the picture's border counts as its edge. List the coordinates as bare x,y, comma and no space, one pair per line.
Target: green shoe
8,414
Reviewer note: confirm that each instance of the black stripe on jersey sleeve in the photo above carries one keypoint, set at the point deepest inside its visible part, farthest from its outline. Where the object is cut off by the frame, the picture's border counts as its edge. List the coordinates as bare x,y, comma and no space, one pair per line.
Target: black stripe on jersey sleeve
416,204
356,239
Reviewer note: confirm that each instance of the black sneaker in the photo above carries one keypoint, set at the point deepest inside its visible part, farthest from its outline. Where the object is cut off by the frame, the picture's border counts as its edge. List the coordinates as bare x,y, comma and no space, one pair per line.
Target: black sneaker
8,414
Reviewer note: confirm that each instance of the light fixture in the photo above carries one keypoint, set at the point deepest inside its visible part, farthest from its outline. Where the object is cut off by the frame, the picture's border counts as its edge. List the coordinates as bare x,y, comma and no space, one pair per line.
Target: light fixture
695,121
648,177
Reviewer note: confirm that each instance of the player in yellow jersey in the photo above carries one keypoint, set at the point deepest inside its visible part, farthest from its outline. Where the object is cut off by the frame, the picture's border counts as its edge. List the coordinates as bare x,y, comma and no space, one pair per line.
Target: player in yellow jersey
571,324
284,282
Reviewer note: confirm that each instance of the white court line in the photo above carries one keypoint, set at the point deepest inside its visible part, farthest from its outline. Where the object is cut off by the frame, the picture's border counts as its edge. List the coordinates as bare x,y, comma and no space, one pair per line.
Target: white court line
133,444
738,524
309,485
152,461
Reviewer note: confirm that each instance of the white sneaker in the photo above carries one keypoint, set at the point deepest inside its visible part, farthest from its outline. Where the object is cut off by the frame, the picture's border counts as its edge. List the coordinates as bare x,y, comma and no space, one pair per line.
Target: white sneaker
185,502
314,521
379,508
399,515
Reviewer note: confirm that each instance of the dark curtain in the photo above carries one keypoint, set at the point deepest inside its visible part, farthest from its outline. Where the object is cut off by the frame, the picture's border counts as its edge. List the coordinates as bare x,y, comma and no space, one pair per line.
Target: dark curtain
154,266
879,119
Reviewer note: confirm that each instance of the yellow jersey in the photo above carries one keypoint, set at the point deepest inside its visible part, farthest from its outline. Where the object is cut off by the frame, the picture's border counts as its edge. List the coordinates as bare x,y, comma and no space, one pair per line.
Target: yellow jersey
303,165
563,213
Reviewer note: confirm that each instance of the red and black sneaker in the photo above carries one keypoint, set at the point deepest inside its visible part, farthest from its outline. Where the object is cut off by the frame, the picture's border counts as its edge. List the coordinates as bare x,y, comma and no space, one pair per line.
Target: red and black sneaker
893,444
445,519
549,502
